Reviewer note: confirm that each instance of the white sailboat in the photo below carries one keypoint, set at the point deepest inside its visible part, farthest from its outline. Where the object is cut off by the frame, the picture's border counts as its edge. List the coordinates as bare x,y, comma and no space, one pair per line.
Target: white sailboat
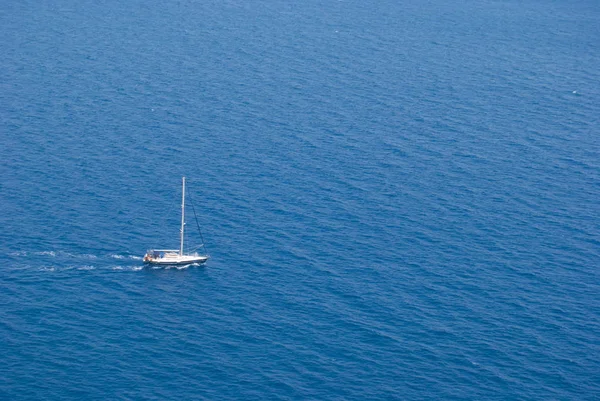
175,256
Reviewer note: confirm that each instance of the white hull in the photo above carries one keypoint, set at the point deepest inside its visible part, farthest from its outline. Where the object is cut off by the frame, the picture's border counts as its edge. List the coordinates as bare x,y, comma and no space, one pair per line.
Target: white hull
176,260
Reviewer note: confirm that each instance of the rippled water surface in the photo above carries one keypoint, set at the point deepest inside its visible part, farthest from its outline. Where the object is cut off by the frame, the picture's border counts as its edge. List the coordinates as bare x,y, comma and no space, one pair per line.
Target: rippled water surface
400,199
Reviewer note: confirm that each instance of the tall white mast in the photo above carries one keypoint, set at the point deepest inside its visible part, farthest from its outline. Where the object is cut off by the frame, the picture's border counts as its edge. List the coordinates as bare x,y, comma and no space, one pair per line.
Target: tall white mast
182,217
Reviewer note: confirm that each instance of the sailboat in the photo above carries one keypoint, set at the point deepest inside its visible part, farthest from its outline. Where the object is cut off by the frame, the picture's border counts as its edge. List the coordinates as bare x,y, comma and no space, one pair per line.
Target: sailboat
176,256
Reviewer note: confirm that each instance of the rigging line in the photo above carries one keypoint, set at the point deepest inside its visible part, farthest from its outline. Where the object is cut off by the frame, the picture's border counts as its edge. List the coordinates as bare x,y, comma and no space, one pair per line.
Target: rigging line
196,218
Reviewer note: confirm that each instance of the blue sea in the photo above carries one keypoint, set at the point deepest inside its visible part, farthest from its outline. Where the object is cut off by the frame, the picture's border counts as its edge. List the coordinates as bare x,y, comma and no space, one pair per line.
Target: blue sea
401,199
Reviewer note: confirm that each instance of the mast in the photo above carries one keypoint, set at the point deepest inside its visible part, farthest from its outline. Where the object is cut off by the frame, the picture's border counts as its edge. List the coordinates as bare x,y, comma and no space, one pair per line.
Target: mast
182,216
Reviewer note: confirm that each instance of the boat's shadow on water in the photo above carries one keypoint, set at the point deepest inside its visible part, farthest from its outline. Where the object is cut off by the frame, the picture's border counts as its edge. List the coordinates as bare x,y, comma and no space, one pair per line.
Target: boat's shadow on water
172,267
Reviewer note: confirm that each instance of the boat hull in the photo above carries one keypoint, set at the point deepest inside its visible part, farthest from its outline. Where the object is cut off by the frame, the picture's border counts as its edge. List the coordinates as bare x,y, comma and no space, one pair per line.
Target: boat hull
183,260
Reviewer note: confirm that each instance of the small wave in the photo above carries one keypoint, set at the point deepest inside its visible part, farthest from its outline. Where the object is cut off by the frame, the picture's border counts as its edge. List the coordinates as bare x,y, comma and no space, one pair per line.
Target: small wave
181,267
86,268
46,253
117,268
47,269
137,268
18,253
121,257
